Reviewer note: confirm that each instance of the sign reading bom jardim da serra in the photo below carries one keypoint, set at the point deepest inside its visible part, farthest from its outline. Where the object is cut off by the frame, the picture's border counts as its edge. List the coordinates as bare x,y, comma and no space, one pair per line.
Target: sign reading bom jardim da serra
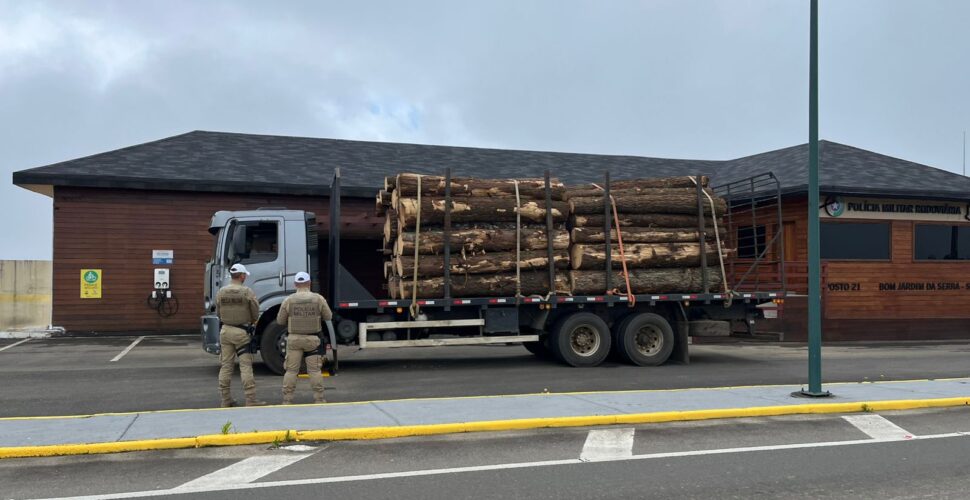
845,207
91,283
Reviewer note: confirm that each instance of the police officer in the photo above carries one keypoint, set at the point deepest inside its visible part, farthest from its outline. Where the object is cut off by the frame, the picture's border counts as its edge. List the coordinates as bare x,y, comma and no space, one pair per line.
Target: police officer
238,311
303,313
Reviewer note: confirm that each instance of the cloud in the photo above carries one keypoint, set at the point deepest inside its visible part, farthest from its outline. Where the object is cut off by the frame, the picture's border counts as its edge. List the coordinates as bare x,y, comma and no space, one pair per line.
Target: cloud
707,79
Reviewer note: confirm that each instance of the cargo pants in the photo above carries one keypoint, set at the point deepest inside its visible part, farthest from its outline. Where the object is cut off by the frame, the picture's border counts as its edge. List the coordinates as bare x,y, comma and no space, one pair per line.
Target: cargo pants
296,347
232,339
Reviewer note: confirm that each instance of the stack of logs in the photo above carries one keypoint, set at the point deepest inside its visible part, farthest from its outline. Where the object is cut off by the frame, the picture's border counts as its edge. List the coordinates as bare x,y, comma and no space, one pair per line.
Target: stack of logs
659,225
483,236
658,219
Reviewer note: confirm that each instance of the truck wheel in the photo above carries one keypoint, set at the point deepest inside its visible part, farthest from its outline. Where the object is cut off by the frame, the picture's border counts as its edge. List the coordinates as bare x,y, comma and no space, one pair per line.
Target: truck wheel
540,349
272,347
645,339
581,339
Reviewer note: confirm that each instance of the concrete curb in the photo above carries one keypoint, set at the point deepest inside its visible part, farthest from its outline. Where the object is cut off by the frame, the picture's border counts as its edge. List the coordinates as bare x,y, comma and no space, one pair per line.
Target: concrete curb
369,433
33,333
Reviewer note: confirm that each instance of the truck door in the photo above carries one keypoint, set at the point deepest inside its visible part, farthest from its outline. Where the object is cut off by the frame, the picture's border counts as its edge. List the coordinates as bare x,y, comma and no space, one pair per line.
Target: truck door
258,244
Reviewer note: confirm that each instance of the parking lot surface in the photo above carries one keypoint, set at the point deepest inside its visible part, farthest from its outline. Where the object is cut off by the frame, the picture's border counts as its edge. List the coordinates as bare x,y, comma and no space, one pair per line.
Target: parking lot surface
68,376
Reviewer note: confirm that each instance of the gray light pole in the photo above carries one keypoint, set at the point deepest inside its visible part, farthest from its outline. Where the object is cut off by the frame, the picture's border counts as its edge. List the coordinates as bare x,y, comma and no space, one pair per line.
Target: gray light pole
814,260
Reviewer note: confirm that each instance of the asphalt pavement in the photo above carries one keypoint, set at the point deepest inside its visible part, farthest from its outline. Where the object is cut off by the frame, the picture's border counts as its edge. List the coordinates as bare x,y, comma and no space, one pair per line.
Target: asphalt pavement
67,376
912,454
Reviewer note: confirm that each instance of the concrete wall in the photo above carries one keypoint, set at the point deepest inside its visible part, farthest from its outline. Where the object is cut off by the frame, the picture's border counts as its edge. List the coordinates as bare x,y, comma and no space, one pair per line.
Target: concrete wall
25,294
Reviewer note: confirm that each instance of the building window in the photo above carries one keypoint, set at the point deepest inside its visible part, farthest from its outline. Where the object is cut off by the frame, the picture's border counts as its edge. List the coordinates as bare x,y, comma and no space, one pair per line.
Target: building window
252,243
939,242
855,241
751,241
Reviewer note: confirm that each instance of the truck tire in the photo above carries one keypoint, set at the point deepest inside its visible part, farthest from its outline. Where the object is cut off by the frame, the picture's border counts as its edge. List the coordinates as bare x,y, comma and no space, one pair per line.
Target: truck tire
644,339
272,347
581,339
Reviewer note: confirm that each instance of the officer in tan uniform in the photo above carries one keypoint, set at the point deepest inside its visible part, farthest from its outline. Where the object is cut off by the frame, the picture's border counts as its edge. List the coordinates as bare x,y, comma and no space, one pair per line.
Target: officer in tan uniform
237,309
303,314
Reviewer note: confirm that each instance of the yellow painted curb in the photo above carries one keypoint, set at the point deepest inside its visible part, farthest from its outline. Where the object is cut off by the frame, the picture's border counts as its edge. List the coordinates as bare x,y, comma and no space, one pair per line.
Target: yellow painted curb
366,433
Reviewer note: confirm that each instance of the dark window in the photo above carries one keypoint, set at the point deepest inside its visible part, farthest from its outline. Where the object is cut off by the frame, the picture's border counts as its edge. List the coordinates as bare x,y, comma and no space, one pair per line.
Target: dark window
936,242
751,241
252,243
855,241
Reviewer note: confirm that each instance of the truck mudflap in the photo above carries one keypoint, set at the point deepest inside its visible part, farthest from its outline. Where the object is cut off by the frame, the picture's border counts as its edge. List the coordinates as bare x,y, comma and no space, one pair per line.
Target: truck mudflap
210,334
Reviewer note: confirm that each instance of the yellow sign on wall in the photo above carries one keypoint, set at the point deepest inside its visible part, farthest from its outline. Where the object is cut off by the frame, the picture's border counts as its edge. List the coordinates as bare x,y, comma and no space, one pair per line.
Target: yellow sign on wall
91,283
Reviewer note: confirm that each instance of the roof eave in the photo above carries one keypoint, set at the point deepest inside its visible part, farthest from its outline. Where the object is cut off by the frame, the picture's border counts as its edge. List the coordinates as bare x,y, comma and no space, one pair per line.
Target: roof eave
26,179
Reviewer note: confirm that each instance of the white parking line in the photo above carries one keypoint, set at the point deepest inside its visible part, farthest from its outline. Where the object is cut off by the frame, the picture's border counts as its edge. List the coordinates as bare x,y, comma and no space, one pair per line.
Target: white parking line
4,348
245,471
608,443
484,468
877,427
127,349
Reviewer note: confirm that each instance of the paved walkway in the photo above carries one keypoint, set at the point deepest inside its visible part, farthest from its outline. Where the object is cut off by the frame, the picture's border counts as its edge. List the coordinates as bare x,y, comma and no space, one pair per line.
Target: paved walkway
41,436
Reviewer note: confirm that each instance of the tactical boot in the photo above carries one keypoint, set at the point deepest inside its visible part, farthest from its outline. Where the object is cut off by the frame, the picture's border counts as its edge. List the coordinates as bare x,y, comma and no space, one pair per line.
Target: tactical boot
287,401
318,399
227,401
252,401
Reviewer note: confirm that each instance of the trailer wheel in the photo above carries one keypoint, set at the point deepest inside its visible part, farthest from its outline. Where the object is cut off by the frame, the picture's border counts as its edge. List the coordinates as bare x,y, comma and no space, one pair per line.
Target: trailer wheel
645,339
272,347
581,339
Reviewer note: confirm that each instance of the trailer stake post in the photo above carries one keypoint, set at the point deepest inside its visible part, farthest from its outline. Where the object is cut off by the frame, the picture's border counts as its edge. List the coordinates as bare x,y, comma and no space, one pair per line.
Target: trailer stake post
702,235
447,234
549,243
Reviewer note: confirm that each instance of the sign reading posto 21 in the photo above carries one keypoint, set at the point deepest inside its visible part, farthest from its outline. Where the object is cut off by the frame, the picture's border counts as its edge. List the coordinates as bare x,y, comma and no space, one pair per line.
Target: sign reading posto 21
91,283
838,207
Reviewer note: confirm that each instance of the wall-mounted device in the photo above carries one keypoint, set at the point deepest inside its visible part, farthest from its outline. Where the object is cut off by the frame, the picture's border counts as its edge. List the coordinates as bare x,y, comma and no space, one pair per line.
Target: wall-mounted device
161,279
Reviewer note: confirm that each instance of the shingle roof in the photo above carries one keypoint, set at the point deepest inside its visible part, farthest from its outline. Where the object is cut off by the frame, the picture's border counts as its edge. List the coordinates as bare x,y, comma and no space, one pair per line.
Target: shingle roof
218,161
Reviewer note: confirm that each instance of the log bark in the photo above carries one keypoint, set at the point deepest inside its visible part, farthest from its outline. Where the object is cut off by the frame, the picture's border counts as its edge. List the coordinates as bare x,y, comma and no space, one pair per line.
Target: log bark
390,227
650,183
664,280
640,220
641,235
482,285
663,201
382,201
496,262
641,255
432,185
477,210
477,240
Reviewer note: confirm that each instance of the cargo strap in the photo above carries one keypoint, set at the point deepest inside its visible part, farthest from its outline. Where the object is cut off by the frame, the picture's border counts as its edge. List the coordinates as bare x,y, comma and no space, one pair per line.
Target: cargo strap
415,307
631,298
720,253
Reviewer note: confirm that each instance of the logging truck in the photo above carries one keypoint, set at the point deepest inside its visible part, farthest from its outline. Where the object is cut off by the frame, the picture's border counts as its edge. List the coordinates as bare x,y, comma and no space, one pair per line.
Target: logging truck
578,321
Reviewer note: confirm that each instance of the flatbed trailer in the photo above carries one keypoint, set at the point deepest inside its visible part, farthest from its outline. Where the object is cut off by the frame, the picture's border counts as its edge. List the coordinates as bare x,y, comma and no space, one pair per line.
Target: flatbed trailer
645,329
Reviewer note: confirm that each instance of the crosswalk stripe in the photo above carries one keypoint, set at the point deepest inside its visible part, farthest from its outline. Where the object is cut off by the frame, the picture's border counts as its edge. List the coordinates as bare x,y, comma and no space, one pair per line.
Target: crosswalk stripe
608,444
878,427
245,471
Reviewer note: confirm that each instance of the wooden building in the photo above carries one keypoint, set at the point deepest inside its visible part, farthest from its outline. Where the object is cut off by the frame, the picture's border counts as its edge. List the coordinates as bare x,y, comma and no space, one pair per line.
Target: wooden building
895,234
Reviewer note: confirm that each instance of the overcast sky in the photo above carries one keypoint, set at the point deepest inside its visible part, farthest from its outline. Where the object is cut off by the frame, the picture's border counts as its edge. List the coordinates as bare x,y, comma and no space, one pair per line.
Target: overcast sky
686,79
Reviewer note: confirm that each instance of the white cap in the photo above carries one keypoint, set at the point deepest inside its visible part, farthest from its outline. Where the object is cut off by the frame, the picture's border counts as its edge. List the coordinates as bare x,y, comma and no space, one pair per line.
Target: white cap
238,269
302,277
